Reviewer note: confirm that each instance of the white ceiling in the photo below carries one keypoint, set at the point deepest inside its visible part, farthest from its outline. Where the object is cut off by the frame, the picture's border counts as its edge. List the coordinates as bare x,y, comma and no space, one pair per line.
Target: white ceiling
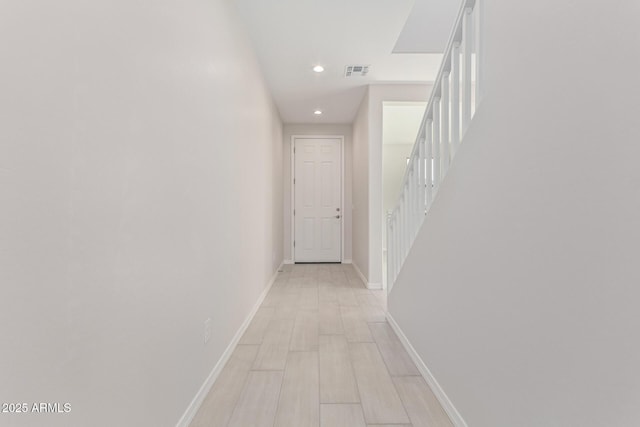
291,36
401,121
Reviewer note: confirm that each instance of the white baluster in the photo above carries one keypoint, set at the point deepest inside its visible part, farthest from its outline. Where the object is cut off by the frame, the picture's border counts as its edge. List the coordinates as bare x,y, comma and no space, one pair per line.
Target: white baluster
428,164
409,204
405,209
389,252
416,193
421,180
444,103
394,258
437,175
400,231
478,14
410,198
455,98
405,229
401,228
416,184
396,244
467,40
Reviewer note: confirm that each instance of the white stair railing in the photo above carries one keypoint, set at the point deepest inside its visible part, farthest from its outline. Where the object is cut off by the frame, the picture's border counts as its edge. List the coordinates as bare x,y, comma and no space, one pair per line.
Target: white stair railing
454,98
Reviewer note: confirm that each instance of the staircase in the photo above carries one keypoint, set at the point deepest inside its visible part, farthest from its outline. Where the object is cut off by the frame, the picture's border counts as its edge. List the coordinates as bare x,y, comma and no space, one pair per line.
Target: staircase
453,102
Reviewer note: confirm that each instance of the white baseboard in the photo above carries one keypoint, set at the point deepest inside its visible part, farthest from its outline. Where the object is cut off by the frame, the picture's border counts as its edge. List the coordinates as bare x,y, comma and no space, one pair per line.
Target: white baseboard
364,279
451,411
287,261
347,261
193,407
369,285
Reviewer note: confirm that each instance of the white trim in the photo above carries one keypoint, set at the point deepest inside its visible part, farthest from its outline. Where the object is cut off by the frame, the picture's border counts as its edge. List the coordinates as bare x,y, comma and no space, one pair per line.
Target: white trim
369,285
287,262
451,411
193,407
347,261
293,191
364,279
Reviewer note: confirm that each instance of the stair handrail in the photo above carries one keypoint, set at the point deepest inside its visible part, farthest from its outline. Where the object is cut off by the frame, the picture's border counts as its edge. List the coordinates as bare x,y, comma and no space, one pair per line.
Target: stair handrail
440,133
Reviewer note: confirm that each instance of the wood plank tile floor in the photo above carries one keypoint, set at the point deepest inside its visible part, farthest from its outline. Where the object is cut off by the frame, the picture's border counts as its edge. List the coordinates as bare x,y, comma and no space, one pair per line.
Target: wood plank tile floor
319,353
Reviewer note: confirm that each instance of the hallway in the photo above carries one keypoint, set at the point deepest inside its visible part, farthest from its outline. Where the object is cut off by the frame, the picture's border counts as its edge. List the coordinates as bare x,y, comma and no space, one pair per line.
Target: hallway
320,353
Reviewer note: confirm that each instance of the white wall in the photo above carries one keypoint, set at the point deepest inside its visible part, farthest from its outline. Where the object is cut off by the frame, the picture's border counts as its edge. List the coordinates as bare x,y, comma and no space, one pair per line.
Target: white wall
378,94
521,293
140,193
318,129
360,214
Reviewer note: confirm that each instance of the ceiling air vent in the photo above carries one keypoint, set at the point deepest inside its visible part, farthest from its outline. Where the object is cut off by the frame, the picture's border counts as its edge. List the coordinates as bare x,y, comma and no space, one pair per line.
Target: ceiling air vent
356,70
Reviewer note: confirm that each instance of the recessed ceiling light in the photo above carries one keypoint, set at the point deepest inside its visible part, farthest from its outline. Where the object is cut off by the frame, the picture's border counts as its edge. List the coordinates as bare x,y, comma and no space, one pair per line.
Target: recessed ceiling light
317,112
318,68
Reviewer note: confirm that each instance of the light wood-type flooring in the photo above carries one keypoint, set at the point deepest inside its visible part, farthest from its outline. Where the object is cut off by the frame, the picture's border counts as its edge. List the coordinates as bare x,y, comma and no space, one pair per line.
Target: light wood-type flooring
319,353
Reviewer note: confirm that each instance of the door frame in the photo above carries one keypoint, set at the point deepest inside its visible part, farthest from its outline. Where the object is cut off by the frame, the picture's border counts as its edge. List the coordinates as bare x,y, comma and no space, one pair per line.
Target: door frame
293,189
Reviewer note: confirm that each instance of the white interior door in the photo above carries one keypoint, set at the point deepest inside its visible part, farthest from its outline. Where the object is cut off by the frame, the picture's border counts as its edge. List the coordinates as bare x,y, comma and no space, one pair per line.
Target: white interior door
317,196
